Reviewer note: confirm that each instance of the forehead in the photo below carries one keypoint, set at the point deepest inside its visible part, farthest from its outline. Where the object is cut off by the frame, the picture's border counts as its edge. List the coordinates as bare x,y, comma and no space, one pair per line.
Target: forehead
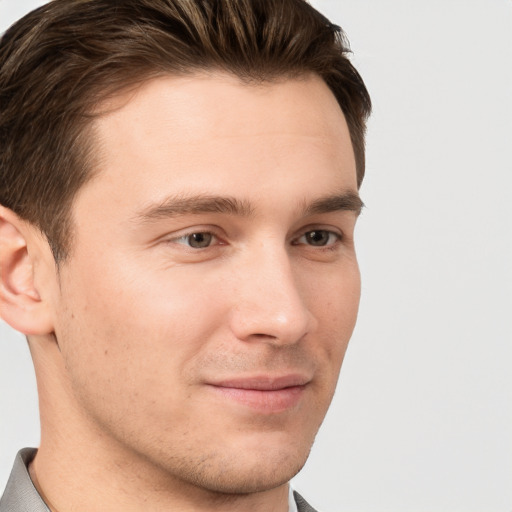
216,103
175,132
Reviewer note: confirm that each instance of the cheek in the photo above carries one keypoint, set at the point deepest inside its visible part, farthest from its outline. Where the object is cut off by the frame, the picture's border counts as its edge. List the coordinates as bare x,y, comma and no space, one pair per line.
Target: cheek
336,305
125,331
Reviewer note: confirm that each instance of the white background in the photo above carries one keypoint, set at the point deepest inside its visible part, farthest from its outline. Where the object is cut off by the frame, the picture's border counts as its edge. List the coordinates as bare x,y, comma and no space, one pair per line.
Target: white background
422,420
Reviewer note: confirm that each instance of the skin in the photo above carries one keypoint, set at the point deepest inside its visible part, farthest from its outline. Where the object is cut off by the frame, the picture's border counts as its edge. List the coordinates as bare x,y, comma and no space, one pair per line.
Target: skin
147,350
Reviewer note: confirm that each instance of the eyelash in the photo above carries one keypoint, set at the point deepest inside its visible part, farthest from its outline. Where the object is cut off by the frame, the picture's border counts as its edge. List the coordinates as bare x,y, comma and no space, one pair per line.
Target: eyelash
333,239
182,240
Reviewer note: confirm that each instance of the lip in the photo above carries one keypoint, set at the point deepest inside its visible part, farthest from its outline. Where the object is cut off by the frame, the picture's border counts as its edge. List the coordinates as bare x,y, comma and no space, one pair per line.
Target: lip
264,394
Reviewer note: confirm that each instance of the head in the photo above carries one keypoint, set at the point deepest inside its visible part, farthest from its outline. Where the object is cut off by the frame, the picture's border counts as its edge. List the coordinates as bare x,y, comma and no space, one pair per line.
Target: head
178,182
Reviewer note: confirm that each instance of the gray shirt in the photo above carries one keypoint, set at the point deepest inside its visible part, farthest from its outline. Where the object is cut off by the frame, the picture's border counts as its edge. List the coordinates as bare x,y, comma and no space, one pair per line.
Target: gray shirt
21,496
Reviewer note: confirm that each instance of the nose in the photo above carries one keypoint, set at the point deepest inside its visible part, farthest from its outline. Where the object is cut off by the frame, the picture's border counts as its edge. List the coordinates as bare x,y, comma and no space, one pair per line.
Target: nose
268,302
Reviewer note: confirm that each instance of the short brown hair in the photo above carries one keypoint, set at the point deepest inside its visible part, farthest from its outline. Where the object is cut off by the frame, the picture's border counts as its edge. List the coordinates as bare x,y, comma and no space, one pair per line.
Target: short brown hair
58,63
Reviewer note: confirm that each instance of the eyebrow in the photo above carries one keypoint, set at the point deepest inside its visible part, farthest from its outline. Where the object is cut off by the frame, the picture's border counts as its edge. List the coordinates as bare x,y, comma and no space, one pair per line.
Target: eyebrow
346,201
194,205
175,206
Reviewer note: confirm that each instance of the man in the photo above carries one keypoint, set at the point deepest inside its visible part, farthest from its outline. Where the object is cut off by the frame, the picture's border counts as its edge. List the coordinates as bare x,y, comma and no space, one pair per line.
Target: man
179,190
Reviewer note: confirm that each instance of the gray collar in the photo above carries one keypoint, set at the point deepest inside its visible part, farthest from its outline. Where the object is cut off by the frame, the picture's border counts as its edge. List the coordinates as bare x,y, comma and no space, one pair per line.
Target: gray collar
20,494
302,504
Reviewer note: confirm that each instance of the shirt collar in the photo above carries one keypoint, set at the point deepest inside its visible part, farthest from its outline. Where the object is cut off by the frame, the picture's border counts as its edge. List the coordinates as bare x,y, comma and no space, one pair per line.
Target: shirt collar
20,493
292,504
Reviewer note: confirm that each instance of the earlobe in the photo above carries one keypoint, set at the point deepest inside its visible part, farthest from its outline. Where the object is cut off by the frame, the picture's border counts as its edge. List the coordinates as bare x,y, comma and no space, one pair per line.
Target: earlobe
21,305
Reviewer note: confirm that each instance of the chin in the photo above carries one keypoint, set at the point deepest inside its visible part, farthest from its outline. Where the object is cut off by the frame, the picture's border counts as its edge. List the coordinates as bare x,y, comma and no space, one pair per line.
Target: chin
242,471
244,477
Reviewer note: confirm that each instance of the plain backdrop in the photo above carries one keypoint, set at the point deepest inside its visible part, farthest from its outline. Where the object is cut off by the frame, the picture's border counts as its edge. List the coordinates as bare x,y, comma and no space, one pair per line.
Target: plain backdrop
422,419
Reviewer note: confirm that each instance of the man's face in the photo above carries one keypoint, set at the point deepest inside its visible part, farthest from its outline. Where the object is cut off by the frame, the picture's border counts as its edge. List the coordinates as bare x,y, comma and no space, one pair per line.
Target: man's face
212,286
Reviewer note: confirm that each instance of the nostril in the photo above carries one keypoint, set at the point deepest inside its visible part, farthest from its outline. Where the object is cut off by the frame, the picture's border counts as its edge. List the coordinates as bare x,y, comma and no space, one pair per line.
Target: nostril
261,335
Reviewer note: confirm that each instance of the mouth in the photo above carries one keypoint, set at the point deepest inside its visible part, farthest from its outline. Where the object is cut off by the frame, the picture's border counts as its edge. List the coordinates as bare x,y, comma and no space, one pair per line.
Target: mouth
263,394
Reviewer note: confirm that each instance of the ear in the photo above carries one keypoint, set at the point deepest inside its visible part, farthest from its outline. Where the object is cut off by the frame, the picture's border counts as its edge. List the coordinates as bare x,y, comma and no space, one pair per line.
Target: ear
21,305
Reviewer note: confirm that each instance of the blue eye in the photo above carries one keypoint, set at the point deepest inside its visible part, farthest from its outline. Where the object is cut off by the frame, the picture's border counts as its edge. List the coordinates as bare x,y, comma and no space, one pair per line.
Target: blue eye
319,238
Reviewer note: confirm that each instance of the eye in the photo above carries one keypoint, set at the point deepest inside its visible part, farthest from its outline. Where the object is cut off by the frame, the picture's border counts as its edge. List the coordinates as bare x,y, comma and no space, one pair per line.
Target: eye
200,240
319,238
